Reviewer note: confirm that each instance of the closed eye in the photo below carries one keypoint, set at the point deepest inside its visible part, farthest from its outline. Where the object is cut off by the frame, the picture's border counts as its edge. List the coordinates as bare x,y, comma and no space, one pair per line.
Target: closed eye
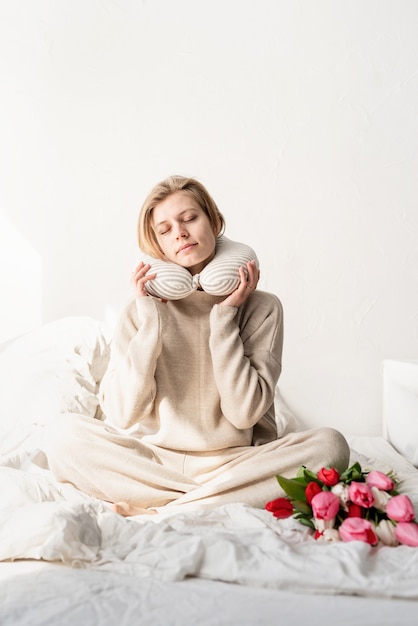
185,219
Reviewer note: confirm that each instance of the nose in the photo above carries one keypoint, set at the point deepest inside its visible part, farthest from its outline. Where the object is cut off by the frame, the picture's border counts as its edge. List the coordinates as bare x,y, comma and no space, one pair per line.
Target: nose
181,231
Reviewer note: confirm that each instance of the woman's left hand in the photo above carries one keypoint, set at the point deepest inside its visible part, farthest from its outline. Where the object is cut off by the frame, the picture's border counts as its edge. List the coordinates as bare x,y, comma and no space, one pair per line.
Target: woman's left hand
246,286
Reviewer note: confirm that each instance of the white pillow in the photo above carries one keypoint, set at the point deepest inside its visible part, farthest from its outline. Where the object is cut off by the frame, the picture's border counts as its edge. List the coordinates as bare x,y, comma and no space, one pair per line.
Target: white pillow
219,278
400,406
53,369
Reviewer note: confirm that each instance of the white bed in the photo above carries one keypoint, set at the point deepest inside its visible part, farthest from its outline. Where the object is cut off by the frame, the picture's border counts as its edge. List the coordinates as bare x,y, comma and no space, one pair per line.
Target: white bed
67,558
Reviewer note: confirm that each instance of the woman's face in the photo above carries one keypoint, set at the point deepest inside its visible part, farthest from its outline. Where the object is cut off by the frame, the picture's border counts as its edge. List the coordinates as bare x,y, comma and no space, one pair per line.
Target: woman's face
184,232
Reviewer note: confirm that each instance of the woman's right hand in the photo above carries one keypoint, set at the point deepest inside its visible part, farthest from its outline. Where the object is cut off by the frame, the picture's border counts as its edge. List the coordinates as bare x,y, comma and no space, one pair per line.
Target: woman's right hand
248,284
139,277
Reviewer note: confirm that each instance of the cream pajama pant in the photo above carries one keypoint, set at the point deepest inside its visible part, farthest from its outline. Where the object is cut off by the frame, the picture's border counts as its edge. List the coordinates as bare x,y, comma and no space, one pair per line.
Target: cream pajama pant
115,467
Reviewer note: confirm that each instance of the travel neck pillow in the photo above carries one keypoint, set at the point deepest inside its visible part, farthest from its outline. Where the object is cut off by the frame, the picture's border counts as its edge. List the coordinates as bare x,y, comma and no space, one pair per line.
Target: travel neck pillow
219,278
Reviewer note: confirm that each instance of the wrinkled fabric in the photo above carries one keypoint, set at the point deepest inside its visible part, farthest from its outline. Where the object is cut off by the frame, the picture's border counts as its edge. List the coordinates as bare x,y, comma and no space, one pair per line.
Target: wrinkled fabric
41,519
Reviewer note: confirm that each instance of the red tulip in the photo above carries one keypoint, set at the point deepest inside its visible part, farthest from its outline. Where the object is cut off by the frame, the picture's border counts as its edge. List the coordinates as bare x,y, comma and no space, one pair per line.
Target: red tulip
280,507
329,477
311,490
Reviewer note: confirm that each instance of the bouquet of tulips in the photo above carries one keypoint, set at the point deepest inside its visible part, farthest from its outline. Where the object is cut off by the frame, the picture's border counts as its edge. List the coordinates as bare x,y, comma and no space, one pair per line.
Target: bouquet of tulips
356,505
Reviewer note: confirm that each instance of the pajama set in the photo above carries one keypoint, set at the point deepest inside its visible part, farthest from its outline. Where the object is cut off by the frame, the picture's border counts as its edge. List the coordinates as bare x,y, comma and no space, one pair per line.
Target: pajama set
188,403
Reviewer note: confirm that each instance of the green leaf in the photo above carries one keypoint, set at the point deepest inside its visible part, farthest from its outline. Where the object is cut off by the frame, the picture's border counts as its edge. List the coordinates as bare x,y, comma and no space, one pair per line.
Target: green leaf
302,507
307,522
293,487
312,477
353,473
301,471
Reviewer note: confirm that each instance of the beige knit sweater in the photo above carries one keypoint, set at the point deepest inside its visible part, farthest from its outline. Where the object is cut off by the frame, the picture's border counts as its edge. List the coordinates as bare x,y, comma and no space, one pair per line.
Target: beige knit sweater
191,375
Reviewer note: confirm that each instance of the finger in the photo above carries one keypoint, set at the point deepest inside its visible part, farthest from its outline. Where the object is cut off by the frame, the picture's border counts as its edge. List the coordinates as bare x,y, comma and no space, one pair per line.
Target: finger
141,269
252,268
145,279
256,276
243,278
139,274
140,290
253,274
138,267
139,281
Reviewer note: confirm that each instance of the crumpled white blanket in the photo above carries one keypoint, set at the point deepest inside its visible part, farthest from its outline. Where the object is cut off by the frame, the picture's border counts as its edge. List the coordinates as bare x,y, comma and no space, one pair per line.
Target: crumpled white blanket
42,519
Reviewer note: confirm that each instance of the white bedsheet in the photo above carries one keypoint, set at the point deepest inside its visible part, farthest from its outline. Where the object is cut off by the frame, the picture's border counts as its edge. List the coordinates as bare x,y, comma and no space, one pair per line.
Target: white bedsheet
66,558
42,519
48,594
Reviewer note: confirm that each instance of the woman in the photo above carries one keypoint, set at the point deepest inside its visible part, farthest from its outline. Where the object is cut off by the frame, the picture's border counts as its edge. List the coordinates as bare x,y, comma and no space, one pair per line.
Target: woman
188,396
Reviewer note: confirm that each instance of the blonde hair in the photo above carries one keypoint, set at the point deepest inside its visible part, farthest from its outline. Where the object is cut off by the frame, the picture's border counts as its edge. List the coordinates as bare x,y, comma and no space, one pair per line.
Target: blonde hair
147,239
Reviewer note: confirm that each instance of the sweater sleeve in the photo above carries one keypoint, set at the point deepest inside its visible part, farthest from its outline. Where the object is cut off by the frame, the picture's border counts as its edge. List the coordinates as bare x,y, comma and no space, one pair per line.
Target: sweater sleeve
128,388
246,353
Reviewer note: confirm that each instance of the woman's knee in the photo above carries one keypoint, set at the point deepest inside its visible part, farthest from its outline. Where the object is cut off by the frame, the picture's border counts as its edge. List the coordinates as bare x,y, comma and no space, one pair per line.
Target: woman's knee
335,447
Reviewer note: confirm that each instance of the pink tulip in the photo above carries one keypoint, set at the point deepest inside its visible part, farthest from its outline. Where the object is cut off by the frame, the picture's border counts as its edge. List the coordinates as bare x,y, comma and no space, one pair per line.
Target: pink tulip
325,505
361,494
400,509
358,529
380,481
407,533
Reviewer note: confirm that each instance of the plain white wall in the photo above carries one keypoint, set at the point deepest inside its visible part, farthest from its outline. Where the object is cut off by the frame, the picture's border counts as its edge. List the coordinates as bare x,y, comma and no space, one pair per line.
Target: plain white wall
301,118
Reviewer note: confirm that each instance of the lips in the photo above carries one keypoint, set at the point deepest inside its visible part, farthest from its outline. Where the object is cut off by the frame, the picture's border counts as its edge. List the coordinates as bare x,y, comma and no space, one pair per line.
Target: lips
186,246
